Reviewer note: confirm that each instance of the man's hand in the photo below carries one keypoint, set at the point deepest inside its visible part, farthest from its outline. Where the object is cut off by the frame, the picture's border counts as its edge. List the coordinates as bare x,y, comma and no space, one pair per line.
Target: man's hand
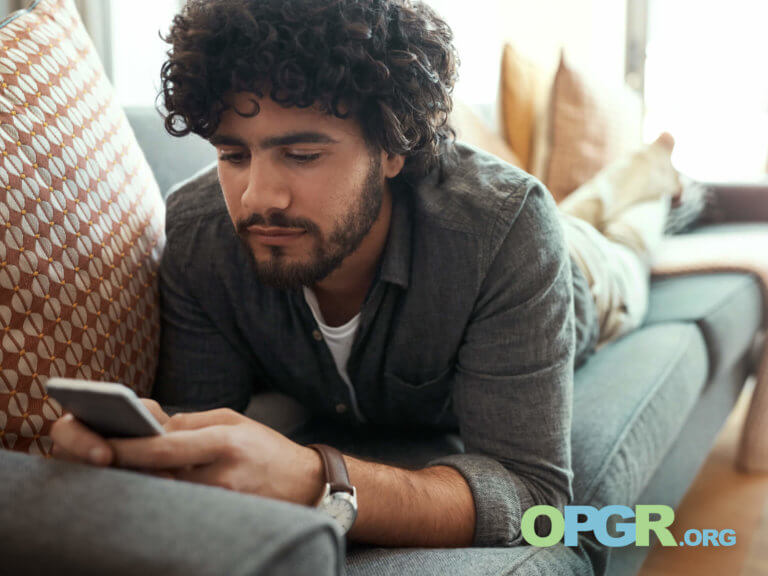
217,447
72,440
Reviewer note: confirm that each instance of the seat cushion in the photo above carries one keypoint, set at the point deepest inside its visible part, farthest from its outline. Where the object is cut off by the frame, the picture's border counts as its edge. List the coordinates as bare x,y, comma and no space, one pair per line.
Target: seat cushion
630,401
727,307
558,560
68,518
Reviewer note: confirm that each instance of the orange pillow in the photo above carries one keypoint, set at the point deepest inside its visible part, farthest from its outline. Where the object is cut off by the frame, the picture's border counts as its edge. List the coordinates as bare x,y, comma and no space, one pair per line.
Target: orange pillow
589,125
522,86
82,224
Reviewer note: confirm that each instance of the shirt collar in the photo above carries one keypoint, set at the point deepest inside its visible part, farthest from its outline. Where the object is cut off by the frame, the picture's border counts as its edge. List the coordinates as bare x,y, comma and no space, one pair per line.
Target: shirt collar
396,259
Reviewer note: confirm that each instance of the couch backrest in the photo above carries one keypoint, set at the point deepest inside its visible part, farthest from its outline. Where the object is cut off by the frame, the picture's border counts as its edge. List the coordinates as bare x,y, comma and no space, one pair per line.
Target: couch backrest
172,159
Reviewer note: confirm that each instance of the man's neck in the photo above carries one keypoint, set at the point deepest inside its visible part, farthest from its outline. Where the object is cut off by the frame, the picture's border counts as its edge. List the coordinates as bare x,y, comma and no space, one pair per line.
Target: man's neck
341,294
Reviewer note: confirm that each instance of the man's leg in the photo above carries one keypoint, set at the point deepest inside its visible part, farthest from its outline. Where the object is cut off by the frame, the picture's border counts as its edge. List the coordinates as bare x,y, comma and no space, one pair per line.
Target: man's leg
640,228
614,225
617,278
644,176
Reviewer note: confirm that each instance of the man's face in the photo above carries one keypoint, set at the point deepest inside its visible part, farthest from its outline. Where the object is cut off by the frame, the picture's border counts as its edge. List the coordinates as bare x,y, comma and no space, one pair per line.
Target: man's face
302,188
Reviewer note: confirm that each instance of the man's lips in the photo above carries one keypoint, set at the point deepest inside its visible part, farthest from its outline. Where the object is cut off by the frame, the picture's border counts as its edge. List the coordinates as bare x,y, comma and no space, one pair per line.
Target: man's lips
276,236
274,232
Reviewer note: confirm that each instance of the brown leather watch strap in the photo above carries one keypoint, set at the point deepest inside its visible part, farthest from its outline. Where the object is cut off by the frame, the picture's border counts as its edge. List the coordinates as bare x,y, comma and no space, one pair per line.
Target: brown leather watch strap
335,468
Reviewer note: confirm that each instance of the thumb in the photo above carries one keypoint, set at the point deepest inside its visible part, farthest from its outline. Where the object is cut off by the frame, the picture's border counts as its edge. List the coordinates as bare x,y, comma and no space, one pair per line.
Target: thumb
156,410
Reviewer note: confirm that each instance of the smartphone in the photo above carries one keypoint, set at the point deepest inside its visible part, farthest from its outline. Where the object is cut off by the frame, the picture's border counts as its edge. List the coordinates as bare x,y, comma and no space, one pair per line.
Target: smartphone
109,409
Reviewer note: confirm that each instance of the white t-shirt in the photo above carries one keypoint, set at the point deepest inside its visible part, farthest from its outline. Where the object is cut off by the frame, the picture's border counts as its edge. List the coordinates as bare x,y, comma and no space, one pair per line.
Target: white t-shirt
339,340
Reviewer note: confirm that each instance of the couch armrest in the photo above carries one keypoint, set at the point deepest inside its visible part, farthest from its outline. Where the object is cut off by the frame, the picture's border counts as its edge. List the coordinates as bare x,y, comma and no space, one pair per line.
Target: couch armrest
741,202
60,517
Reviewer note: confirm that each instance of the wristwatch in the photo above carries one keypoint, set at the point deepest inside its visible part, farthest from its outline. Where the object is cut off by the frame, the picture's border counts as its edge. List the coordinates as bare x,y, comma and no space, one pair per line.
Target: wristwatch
339,498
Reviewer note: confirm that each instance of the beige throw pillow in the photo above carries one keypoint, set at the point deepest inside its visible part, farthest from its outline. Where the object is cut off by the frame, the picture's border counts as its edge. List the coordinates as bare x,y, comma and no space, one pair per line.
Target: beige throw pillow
589,125
523,85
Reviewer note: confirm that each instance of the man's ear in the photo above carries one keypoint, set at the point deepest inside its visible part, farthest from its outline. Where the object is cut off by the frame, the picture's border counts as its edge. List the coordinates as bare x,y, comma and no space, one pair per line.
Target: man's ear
392,164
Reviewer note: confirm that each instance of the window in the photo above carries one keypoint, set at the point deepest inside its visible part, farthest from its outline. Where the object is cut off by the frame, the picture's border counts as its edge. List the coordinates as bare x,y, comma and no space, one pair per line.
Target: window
137,50
705,83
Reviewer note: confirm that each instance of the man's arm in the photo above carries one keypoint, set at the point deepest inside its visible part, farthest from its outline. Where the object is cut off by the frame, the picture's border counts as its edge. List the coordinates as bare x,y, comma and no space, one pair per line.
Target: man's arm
430,508
512,392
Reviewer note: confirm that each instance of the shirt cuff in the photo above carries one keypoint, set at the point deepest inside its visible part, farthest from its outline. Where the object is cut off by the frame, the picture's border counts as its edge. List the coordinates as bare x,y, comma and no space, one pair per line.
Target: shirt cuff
500,498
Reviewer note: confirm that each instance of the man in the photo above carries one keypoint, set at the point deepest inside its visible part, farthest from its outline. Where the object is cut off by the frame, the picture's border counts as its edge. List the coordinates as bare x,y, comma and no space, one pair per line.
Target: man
347,252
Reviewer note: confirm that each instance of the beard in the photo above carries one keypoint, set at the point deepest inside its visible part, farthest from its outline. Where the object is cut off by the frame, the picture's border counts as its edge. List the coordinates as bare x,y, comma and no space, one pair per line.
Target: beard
328,253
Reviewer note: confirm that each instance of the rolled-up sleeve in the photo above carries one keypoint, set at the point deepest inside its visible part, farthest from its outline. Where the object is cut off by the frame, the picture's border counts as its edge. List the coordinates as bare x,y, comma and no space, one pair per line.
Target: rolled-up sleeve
512,392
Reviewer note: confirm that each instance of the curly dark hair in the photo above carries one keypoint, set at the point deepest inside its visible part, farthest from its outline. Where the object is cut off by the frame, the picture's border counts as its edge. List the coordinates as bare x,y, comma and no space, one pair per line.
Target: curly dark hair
390,64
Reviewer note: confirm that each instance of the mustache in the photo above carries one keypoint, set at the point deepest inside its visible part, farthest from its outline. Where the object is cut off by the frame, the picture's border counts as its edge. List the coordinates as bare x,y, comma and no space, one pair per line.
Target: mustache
276,220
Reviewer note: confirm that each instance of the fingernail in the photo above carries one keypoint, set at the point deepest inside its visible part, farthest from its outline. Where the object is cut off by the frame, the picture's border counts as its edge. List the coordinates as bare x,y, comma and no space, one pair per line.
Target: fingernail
98,455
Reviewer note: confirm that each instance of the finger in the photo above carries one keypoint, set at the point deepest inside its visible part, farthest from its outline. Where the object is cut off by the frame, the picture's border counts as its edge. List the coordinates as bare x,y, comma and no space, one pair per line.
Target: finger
172,450
80,442
196,420
60,454
156,410
212,475
168,475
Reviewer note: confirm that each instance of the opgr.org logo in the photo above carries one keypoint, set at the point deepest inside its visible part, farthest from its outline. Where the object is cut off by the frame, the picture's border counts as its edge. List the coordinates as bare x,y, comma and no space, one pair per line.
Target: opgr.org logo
633,526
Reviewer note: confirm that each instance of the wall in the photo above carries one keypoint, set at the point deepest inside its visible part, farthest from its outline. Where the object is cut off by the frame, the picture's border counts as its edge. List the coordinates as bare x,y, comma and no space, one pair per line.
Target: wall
592,31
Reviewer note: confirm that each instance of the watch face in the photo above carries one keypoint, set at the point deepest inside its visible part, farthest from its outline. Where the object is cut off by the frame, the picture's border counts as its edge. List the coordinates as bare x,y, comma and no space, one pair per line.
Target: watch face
342,507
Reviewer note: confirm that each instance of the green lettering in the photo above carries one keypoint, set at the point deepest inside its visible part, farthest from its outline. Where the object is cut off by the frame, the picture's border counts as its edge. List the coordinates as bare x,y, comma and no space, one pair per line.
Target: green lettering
555,518
644,524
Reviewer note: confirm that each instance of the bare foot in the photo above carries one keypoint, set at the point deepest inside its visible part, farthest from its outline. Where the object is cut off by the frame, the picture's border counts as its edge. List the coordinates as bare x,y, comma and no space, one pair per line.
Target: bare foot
667,140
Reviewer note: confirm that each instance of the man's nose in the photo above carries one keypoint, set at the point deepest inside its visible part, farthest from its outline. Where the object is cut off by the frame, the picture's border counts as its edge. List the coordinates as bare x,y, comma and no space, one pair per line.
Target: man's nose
266,191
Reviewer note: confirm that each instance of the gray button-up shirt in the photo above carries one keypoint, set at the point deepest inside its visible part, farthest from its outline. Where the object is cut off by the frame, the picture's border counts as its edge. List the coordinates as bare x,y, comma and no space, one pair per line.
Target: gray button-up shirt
469,326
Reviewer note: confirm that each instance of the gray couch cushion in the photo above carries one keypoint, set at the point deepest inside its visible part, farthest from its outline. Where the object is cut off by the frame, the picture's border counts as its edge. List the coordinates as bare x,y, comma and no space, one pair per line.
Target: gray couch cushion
727,307
557,560
60,517
630,401
731,227
171,159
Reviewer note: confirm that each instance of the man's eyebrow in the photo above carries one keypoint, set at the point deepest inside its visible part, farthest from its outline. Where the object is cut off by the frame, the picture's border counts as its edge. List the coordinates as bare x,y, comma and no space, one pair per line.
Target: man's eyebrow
275,141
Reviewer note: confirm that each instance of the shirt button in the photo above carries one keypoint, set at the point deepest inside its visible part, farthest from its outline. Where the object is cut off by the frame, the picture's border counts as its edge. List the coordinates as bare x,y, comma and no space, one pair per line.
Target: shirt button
341,408
316,335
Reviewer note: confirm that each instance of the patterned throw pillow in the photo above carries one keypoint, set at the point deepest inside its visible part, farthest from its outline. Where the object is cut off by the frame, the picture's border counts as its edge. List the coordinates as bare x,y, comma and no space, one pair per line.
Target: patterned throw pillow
81,219
588,126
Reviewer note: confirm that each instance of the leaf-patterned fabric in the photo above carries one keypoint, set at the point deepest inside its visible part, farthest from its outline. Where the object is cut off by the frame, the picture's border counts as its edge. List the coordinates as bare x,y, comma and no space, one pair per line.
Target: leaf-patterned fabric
81,223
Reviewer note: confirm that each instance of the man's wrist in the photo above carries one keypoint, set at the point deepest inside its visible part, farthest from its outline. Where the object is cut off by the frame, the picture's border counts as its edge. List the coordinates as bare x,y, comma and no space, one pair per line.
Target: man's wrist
311,478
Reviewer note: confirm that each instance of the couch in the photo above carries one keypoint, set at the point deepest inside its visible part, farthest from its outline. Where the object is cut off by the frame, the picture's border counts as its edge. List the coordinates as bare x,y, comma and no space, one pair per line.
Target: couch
646,411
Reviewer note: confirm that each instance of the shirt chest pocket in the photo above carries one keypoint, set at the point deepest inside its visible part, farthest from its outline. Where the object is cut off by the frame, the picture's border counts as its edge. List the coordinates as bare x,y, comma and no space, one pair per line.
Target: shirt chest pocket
419,404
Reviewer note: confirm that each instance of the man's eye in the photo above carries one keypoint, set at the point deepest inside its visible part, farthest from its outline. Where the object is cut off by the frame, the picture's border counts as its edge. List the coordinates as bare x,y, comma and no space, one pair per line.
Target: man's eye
302,158
234,158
